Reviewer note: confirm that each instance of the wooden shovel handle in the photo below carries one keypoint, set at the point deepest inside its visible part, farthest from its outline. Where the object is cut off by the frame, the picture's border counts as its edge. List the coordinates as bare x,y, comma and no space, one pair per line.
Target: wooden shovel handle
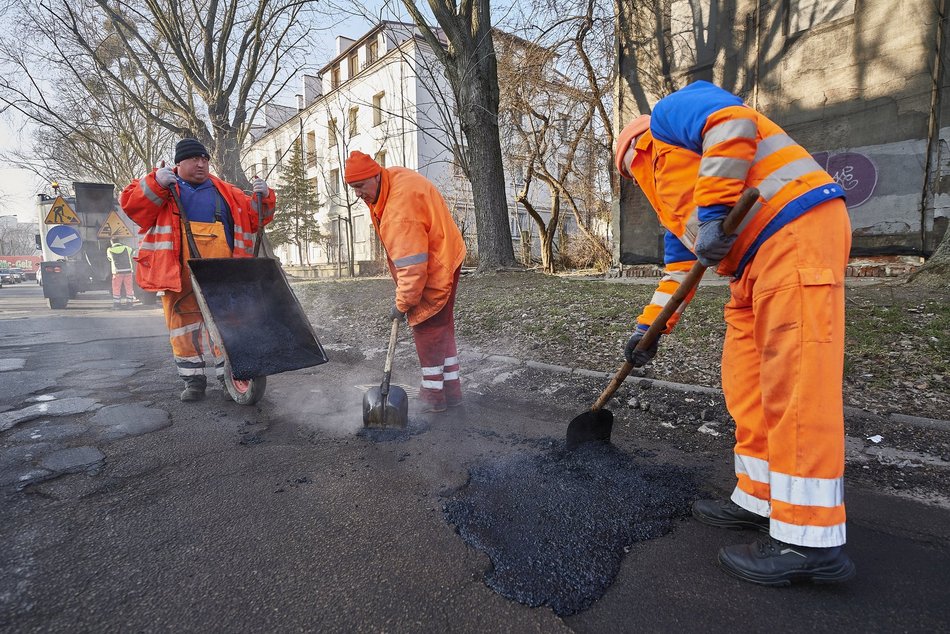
729,225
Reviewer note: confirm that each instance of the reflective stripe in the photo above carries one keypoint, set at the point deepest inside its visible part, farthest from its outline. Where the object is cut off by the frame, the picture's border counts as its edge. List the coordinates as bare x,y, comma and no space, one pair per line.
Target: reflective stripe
813,536
432,385
676,276
177,332
156,246
788,173
432,370
157,229
691,230
409,260
827,492
724,167
188,359
749,216
451,376
150,193
772,144
190,371
755,468
660,299
452,361
727,130
750,503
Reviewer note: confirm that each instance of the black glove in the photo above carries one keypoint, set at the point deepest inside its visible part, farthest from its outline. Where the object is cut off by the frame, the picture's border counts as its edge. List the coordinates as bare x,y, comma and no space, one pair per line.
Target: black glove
395,313
639,358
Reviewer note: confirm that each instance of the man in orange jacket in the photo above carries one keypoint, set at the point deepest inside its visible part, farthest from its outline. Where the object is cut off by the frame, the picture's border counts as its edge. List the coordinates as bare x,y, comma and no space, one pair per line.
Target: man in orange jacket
223,221
783,355
424,251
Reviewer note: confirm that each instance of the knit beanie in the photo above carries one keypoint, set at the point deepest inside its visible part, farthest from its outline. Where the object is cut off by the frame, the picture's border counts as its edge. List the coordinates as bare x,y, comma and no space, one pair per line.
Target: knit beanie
359,167
188,148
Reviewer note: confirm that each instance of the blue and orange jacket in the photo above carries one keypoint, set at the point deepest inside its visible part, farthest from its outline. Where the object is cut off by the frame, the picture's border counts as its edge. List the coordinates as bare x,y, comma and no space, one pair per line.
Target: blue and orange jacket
704,148
152,208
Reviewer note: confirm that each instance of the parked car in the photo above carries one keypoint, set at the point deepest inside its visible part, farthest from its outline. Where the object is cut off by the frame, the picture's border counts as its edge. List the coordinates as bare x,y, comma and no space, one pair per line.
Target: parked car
20,274
7,276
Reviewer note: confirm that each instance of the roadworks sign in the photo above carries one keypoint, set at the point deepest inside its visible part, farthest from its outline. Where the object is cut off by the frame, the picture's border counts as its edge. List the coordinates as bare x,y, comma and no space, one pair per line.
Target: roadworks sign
61,213
113,227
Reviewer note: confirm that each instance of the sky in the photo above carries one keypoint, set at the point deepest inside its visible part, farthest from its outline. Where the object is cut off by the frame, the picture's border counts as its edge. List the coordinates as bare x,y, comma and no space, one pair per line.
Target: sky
18,187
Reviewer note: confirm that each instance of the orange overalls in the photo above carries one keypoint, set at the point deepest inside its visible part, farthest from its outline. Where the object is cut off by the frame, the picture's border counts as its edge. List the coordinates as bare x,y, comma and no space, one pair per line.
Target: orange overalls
186,328
783,355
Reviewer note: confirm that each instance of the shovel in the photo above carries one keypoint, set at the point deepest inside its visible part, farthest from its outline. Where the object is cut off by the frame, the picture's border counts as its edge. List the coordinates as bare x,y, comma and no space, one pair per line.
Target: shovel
595,425
386,406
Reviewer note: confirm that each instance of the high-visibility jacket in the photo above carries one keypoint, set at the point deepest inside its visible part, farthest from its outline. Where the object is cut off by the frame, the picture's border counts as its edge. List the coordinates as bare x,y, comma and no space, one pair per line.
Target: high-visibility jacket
120,256
424,246
704,137
151,207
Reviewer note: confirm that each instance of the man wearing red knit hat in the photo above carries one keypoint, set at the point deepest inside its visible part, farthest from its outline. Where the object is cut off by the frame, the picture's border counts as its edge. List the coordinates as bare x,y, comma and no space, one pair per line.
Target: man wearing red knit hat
424,251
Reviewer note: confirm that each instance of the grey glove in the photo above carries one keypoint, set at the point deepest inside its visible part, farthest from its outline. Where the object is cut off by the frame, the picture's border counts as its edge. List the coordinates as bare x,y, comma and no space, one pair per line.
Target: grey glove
395,313
259,186
166,177
639,358
712,245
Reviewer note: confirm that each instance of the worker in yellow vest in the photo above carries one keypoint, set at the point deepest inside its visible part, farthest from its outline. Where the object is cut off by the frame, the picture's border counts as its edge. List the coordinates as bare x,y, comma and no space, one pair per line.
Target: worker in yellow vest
120,256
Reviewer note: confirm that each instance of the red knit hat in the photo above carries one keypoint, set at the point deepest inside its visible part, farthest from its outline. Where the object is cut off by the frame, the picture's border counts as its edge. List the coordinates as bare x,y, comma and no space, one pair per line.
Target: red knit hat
359,167
630,132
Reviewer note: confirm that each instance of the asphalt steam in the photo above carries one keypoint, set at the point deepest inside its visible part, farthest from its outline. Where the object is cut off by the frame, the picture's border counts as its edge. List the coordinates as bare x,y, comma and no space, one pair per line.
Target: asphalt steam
556,525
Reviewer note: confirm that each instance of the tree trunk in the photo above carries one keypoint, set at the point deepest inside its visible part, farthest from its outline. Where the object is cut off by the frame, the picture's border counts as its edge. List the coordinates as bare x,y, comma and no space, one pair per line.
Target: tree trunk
936,272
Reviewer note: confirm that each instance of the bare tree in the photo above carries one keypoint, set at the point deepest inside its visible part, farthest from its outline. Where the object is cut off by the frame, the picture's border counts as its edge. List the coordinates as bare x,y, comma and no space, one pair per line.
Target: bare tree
17,238
200,70
469,62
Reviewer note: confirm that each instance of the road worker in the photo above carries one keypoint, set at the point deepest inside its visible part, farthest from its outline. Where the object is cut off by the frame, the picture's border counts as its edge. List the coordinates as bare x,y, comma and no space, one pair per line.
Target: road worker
223,220
783,354
424,251
120,257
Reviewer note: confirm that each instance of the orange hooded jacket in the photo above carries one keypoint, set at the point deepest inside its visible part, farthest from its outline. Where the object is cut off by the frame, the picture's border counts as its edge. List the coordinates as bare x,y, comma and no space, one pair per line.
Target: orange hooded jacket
423,245
152,208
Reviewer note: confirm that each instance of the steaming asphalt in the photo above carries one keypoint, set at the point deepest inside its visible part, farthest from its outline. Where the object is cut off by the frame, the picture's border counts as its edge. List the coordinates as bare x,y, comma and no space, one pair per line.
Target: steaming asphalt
124,509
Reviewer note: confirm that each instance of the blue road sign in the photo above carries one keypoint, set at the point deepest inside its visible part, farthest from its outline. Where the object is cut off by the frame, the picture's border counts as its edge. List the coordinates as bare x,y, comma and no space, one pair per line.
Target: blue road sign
63,240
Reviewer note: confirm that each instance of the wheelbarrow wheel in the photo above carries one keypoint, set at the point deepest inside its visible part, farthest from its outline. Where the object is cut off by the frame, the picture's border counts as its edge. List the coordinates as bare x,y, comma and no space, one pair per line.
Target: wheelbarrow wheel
244,392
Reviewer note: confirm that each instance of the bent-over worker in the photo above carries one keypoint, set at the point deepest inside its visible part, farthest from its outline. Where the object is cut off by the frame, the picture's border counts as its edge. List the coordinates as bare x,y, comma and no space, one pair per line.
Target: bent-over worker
783,354
424,251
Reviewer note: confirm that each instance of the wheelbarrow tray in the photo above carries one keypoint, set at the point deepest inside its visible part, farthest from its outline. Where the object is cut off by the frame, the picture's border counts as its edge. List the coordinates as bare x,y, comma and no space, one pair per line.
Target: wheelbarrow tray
254,316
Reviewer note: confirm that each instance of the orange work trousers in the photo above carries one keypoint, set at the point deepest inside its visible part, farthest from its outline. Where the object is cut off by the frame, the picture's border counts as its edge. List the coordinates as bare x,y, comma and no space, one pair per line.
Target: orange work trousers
186,328
782,366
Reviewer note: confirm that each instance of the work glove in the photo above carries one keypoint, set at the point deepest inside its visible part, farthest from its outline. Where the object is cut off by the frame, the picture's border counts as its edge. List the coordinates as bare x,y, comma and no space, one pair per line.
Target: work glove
166,177
259,186
639,358
395,313
712,245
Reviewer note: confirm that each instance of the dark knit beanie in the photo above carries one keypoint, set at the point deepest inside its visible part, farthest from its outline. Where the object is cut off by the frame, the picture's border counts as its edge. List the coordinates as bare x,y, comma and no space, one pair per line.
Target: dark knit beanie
188,148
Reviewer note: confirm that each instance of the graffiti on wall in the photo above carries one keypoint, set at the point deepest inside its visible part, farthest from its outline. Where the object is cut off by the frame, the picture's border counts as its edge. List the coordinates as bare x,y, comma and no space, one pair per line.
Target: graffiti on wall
855,172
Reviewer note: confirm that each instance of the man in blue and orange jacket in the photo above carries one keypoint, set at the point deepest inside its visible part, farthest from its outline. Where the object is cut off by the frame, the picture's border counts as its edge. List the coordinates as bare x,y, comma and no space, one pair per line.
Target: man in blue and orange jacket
783,355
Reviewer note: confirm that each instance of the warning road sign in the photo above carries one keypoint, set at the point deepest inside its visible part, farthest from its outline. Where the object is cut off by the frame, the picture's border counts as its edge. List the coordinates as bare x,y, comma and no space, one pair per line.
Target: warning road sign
113,227
61,213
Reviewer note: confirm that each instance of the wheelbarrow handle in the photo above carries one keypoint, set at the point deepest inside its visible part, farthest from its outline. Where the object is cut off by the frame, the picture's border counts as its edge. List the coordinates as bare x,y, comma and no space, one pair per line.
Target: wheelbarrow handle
259,197
729,225
192,247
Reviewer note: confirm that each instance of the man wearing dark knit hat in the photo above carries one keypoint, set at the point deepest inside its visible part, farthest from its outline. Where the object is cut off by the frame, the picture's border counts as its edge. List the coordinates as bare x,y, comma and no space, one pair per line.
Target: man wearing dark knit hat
223,220
424,251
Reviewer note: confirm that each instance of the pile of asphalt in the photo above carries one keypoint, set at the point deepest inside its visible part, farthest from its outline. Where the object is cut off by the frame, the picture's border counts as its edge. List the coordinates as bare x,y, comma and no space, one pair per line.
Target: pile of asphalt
556,525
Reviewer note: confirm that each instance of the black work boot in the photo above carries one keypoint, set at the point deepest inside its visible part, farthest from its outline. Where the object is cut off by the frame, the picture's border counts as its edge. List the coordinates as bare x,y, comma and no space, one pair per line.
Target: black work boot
194,388
728,514
770,562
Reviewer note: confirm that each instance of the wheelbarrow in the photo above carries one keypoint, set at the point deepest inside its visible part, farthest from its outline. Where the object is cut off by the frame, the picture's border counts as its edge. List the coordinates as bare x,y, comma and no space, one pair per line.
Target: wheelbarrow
252,316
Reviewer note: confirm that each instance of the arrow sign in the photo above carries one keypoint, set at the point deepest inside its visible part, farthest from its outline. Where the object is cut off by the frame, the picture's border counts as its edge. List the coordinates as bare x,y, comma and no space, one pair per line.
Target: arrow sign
63,240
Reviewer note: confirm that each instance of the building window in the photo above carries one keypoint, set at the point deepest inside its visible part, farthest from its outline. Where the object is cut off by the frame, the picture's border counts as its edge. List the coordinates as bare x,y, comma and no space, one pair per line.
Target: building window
381,157
253,170
353,120
378,108
352,66
372,52
331,133
311,149
264,171
277,156
334,183
801,15
335,77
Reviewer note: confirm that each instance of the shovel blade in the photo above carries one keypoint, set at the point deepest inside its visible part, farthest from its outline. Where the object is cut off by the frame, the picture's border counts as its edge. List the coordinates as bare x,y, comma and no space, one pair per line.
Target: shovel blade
590,426
391,411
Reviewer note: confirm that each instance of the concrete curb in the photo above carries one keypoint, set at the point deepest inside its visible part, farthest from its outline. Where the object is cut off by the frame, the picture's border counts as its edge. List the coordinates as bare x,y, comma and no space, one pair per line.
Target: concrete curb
915,421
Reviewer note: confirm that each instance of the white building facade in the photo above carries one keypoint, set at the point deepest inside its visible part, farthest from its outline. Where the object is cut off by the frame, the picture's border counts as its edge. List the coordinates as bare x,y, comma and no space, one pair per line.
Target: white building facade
384,94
